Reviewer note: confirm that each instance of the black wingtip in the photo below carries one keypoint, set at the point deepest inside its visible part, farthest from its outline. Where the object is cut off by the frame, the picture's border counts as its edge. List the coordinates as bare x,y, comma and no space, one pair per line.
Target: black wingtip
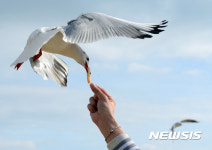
163,26
156,29
142,36
164,22
64,82
147,36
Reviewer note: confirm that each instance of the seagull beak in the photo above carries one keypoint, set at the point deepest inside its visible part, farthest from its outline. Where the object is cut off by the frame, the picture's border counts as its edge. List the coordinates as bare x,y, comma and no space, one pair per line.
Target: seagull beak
88,72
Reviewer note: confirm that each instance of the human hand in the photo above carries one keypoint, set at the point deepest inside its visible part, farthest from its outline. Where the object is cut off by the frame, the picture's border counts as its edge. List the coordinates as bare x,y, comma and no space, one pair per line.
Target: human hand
101,105
101,108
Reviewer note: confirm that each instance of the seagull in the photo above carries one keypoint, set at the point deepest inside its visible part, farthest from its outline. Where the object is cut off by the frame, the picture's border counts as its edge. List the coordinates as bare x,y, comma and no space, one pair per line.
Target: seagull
178,124
44,42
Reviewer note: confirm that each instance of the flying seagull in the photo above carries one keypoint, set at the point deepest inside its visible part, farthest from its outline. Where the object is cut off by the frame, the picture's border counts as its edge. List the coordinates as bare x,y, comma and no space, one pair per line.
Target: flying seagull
178,124
63,40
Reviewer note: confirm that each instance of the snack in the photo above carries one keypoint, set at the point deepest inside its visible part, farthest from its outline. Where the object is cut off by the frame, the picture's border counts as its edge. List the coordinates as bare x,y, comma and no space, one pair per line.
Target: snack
89,75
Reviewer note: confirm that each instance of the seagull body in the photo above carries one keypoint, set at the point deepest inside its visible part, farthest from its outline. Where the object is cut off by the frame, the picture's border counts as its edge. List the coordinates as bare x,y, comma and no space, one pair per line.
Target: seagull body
46,41
178,124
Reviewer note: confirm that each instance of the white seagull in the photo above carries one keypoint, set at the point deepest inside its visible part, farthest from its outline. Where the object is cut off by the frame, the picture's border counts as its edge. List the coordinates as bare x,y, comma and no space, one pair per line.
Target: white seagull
90,27
178,124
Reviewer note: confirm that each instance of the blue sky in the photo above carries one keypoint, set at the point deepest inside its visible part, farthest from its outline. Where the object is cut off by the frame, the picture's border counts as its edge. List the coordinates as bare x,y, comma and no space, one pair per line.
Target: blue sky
155,82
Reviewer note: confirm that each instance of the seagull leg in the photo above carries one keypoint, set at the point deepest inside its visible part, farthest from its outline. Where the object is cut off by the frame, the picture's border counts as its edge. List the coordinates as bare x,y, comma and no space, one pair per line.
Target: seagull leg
36,57
18,65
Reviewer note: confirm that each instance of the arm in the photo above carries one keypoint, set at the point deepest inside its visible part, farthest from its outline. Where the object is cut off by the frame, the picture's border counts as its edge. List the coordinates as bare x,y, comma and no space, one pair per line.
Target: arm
101,108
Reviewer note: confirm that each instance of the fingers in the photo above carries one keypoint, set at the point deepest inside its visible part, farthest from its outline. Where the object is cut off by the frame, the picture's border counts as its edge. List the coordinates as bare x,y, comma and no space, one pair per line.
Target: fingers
97,91
107,94
91,108
93,102
100,93
104,91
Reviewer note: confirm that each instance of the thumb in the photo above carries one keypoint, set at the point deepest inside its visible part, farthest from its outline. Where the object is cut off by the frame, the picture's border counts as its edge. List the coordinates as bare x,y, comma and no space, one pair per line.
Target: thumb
97,91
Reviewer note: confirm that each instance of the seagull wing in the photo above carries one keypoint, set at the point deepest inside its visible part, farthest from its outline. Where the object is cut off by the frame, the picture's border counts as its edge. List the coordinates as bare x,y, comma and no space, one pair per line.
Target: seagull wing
91,27
189,121
177,124
50,66
35,41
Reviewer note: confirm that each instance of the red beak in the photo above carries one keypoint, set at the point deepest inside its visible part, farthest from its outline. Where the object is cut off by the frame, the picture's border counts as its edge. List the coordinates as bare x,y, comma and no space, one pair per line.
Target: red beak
88,72
86,67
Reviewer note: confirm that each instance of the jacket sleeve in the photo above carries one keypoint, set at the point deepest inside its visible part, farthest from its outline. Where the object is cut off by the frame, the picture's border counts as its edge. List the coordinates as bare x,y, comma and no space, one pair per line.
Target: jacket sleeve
122,142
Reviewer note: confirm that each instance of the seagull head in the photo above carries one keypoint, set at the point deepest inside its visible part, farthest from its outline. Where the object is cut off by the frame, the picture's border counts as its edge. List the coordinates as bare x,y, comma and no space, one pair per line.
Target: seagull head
46,29
85,64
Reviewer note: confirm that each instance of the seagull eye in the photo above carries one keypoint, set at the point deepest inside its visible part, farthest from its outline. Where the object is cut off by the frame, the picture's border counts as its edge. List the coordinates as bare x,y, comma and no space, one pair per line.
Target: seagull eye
54,28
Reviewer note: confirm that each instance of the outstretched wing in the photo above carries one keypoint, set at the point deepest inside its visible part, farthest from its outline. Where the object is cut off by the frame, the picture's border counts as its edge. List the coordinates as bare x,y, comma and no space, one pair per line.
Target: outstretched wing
35,41
50,66
189,121
177,124
96,26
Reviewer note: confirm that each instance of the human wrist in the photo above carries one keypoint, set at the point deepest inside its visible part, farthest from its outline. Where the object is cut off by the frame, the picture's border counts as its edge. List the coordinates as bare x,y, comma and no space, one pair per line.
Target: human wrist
115,132
106,125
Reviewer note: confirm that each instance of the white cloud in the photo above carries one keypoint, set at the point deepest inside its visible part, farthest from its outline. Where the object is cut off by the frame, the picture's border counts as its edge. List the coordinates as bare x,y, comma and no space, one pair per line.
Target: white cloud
175,109
106,66
194,44
37,106
196,49
17,144
136,67
194,72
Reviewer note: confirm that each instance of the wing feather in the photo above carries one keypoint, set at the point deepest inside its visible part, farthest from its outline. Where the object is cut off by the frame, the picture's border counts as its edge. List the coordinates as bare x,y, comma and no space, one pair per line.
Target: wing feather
97,26
35,41
189,120
50,66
